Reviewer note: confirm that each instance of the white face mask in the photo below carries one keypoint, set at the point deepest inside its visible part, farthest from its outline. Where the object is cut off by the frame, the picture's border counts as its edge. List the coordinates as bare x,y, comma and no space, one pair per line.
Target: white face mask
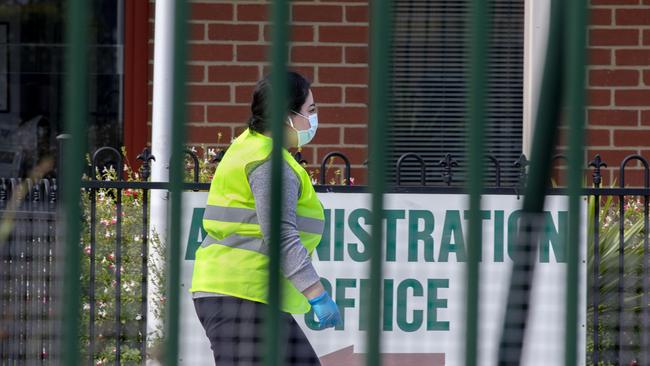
305,136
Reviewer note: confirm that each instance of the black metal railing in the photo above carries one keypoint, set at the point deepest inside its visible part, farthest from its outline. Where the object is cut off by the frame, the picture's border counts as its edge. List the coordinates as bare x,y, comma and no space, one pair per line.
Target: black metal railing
28,232
27,237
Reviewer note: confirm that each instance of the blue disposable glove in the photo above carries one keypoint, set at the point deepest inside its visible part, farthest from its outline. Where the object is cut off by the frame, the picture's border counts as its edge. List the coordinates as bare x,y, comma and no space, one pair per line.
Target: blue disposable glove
326,311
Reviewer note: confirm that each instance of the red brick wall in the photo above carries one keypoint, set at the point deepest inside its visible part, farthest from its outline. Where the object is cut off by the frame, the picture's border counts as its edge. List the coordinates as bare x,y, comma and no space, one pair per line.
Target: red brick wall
228,42
619,84
228,45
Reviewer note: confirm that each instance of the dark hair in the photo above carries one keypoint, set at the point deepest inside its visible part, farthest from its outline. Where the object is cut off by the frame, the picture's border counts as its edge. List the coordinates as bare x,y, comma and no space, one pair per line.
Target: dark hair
298,89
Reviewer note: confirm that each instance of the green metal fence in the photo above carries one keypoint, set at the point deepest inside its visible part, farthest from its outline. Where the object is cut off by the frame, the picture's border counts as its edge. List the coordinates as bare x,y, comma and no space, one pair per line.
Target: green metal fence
75,112
562,83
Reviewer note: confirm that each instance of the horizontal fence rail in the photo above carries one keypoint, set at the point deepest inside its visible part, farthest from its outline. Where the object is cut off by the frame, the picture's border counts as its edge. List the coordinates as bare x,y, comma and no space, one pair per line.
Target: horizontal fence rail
445,169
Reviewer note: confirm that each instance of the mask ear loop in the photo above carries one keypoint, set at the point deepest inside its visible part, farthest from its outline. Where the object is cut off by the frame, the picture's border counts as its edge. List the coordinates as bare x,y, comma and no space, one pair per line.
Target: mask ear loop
301,115
290,122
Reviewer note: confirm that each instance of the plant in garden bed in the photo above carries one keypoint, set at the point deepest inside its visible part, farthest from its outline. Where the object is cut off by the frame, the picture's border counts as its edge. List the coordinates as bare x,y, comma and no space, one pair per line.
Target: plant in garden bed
208,158
106,266
338,179
131,284
608,249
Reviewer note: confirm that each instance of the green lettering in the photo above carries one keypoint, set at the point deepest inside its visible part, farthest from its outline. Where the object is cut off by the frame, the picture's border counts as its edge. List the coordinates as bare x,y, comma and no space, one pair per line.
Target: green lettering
361,234
339,230
391,232
483,215
364,303
402,307
434,303
555,237
196,235
388,304
513,229
425,236
452,227
498,236
323,248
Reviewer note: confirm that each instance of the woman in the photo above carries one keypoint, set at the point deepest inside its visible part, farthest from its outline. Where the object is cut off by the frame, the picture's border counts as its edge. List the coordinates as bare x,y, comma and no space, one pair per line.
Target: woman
229,283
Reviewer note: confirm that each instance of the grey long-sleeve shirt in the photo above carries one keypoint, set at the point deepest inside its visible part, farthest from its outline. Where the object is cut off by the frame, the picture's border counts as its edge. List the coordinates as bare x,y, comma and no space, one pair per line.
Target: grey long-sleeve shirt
296,263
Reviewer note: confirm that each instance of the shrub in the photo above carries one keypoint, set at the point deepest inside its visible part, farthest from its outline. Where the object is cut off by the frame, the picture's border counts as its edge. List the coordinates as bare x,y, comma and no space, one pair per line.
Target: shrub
608,248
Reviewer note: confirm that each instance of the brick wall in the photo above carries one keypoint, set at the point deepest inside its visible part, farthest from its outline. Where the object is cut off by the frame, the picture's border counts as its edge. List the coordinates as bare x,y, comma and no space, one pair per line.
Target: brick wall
228,42
619,84
228,52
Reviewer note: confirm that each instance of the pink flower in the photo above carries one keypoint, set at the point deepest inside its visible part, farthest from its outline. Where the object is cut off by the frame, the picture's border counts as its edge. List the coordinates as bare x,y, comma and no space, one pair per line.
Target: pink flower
87,250
131,193
110,257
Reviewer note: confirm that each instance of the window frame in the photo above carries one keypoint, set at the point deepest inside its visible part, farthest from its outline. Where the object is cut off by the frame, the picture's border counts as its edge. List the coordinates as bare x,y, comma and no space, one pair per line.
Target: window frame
536,26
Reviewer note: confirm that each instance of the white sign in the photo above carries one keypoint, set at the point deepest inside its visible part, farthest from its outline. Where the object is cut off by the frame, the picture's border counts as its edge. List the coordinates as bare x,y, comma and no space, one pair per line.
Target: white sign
424,265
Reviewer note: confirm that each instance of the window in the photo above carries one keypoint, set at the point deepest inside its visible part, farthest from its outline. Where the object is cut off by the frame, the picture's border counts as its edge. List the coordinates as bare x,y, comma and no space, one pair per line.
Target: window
429,84
31,96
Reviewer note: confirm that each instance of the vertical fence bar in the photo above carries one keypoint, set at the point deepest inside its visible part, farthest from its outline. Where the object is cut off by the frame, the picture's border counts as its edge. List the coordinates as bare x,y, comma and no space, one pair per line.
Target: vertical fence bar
28,256
273,332
575,93
4,278
118,272
145,260
380,56
38,272
35,236
12,295
21,244
596,279
37,240
176,183
54,198
645,337
545,131
597,164
478,49
91,282
75,115
621,273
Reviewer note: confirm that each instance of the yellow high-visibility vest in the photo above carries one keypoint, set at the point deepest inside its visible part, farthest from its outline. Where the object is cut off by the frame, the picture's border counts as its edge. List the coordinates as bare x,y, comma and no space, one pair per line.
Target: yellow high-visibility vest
233,258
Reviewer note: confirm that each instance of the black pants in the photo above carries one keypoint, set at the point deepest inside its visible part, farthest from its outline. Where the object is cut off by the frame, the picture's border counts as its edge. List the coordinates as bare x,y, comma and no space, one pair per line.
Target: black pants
235,328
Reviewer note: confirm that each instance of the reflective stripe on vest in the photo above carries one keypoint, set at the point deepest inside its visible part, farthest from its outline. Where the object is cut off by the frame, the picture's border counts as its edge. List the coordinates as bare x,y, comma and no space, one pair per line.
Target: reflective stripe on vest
230,214
238,241
249,216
